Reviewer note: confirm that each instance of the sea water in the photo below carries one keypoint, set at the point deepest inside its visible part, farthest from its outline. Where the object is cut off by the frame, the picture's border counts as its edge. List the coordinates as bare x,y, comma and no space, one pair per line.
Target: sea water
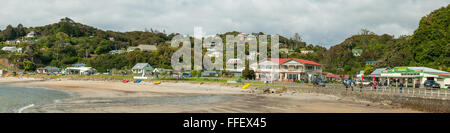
12,99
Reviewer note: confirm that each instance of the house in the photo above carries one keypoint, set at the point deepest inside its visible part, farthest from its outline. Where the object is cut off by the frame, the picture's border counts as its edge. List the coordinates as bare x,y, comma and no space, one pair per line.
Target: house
210,46
143,47
2,72
243,34
116,51
370,62
161,71
48,69
142,69
31,34
10,42
13,49
357,52
80,70
236,71
287,69
284,50
306,51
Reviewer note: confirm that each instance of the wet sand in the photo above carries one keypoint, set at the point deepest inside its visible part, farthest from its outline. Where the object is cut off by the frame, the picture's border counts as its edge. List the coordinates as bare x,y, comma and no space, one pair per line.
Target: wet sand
171,97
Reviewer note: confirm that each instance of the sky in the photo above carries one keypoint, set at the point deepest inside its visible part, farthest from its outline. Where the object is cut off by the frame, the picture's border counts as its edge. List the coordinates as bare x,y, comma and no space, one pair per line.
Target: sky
319,22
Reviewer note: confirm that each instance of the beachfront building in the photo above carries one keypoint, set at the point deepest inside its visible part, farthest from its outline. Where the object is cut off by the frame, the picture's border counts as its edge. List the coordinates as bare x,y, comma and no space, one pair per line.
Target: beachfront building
287,69
142,69
410,76
80,70
48,70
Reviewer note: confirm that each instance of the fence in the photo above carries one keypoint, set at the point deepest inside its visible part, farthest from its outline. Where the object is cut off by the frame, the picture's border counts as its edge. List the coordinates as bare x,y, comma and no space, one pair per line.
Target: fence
383,90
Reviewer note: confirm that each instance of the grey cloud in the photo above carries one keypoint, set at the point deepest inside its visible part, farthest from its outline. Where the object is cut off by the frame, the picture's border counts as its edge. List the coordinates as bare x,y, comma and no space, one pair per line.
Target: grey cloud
321,22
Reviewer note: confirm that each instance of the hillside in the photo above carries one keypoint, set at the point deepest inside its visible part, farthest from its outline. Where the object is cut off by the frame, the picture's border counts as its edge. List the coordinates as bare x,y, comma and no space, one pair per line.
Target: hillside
340,57
429,46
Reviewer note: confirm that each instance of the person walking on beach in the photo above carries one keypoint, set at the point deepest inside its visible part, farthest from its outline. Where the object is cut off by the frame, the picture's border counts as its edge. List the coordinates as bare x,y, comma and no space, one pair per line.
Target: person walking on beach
375,84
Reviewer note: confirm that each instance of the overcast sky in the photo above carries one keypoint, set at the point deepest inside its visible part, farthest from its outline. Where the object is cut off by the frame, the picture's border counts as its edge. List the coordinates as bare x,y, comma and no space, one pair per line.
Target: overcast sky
320,22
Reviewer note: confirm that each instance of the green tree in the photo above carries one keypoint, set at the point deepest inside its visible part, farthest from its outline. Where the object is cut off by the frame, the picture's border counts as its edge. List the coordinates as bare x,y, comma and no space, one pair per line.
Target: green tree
29,66
368,69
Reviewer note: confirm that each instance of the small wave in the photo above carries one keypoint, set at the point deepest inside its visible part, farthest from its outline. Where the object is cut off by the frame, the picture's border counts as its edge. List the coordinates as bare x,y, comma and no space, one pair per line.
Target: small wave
23,108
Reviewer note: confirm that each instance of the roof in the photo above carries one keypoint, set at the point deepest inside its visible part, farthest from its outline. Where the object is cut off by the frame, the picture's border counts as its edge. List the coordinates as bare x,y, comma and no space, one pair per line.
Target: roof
49,68
283,60
378,71
357,50
428,70
331,75
79,65
141,65
80,68
146,47
210,72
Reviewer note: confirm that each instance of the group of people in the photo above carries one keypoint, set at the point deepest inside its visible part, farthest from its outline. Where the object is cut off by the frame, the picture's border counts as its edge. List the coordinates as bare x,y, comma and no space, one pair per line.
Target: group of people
373,84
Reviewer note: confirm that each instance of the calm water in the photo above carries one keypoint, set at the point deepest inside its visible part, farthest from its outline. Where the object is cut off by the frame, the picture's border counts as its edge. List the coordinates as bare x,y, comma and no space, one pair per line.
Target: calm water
13,98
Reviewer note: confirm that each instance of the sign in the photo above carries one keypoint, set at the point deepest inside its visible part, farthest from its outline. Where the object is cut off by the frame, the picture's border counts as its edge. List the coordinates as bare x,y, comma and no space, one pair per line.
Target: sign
402,70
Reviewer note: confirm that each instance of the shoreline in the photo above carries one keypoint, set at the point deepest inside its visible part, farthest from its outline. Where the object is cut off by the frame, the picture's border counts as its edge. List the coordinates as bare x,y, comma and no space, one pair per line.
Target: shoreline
55,95
177,97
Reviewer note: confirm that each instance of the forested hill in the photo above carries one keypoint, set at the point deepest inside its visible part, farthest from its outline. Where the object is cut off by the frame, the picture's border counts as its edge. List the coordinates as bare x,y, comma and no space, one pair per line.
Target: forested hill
372,47
429,46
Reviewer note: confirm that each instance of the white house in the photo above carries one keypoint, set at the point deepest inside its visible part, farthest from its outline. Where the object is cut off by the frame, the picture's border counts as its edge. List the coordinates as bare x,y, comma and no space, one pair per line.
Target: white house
306,51
287,69
48,69
80,70
12,49
142,69
116,51
31,34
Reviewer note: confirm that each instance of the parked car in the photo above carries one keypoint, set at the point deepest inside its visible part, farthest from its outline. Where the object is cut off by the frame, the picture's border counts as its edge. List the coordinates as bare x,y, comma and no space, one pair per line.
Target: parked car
431,84
319,82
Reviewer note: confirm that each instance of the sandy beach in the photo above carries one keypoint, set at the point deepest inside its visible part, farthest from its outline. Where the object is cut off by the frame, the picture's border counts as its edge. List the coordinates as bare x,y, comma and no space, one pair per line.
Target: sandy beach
178,97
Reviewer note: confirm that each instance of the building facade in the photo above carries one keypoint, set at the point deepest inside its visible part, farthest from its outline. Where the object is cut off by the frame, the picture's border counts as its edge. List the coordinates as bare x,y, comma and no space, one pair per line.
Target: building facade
413,77
287,69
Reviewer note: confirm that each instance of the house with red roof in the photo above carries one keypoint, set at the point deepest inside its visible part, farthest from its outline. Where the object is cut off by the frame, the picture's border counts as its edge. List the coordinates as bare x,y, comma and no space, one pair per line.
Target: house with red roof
287,69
